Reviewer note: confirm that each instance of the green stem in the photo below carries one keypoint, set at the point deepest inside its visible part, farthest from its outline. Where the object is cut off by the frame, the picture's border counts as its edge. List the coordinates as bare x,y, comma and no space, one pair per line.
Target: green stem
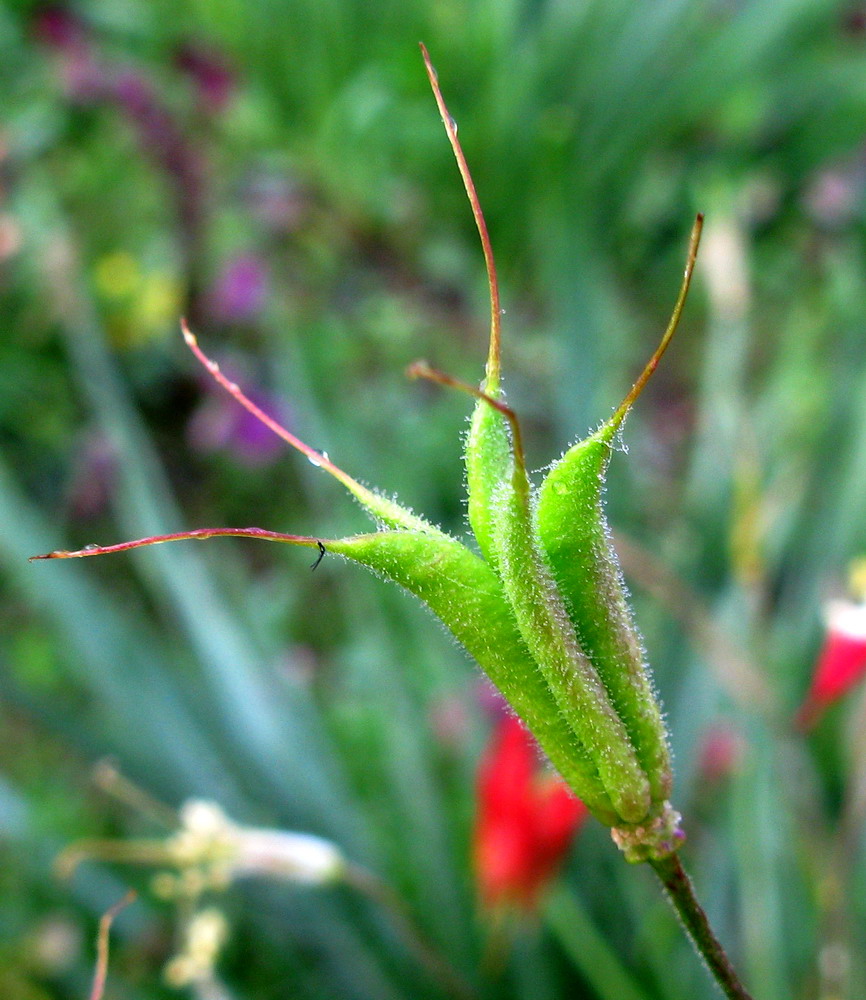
681,893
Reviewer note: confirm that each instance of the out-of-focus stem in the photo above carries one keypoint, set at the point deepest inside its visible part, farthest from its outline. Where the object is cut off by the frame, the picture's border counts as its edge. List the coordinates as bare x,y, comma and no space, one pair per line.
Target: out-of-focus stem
105,923
381,893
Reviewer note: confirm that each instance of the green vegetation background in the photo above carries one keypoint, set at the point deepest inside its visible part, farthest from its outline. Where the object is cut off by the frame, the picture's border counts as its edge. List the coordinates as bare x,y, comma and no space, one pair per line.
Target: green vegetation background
327,702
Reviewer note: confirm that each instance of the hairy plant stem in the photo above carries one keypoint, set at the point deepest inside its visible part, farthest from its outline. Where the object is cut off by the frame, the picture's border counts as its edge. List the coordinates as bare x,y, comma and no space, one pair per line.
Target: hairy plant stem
680,891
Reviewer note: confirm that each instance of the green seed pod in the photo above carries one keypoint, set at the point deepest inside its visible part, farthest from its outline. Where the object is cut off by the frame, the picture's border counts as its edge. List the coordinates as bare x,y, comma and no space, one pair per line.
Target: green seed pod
548,633
467,596
499,497
575,538
544,612
488,460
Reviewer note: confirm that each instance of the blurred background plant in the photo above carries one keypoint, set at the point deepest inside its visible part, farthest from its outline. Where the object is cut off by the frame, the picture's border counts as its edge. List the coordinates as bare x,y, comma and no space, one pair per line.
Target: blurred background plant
277,172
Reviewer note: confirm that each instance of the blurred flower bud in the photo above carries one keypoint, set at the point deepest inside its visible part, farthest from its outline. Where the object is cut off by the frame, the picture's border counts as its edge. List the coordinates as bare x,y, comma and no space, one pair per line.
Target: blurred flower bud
841,662
833,194
525,821
721,751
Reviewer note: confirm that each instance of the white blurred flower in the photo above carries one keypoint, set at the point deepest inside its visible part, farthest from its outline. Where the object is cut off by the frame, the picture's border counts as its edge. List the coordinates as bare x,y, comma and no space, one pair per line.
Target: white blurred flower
299,857
223,850
204,937
208,851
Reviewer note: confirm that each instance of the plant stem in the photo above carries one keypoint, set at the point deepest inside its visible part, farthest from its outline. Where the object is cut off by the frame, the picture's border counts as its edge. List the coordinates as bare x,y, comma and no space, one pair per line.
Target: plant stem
681,893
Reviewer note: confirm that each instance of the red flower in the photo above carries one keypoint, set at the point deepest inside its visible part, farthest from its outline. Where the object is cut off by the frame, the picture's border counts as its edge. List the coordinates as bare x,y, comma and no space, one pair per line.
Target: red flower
525,820
841,663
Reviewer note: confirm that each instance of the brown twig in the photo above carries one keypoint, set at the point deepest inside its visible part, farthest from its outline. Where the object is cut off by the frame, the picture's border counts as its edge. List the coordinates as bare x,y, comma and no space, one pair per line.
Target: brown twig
105,922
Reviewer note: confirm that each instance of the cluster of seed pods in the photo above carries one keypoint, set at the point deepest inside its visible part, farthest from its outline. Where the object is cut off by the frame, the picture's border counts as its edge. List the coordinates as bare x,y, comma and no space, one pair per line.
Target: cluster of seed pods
541,606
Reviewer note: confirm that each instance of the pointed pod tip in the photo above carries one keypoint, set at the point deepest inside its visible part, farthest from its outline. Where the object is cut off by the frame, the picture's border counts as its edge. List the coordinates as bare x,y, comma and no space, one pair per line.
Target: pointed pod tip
694,241
431,71
188,335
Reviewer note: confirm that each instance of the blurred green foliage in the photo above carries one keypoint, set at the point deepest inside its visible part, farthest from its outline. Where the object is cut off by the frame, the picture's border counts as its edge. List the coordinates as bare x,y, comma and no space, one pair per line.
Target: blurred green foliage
150,154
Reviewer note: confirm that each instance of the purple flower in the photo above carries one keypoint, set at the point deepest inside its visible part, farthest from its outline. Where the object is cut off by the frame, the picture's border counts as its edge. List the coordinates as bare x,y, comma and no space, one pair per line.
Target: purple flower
213,79
219,424
239,292
833,196
57,27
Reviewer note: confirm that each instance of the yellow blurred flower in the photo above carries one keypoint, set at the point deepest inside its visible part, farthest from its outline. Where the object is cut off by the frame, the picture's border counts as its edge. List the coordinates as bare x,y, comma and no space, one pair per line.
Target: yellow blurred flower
140,304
